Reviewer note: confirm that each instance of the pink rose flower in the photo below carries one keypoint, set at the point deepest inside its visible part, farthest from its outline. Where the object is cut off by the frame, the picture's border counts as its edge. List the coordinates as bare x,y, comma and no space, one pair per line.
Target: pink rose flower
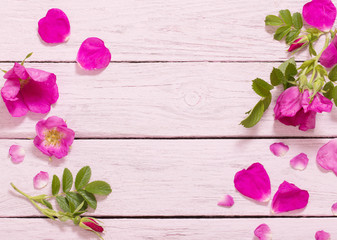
294,108
327,156
329,56
29,89
53,137
295,45
91,224
322,235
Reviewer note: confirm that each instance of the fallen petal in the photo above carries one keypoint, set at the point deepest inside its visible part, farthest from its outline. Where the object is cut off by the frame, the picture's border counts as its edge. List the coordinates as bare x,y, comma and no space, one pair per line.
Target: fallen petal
253,183
289,197
41,180
327,156
320,14
263,232
321,235
227,201
279,149
17,153
299,162
334,209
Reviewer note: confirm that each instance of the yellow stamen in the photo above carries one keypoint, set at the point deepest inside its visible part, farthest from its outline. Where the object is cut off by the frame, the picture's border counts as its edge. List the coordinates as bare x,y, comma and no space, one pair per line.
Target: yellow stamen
53,137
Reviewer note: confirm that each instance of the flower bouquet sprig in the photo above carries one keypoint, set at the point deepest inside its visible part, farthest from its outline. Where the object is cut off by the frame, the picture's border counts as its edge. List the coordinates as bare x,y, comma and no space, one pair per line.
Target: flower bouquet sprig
309,88
72,203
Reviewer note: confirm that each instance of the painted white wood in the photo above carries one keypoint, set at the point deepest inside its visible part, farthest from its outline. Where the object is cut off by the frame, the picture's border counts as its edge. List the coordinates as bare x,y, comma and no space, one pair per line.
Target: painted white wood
170,177
169,229
149,30
160,100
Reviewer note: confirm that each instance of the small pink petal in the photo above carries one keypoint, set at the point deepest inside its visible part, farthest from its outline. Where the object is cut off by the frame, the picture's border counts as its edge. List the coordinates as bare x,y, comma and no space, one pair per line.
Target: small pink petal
299,162
54,27
279,149
288,198
263,232
227,201
253,183
321,235
17,153
93,54
41,180
327,156
334,209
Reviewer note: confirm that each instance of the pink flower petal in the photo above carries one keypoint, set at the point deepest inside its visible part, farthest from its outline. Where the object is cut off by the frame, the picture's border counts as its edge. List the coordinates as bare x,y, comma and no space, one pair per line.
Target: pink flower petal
41,180
288,103
329,56
279,149
227,201
295,45
253,183
299,162
289,197
321,235
327,156
54,27
320,14
17,153
263,232
334,209
93,54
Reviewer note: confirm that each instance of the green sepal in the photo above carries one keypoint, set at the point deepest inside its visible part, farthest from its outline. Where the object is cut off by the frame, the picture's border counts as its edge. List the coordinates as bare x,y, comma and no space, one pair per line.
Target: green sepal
273,20
55,186
297,20
321,70
47,204
333,74
39,197
328,88
255,115
311,49
286,16
67,180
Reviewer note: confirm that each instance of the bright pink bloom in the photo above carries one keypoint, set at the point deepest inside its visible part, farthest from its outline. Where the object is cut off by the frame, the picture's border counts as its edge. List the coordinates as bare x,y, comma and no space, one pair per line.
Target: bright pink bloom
253,183
29,89
53,137
294,108
321,235
279,149
288,198
41,180
263,232
320,14
327,156
334,209
299,162
228,201
54,27
295,45
93,54
17,153
329,56
91,224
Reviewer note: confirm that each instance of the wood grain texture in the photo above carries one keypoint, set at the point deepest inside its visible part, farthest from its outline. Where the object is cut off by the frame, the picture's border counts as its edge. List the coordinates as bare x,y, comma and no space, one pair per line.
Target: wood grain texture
160,100
149,30
169,229
171,177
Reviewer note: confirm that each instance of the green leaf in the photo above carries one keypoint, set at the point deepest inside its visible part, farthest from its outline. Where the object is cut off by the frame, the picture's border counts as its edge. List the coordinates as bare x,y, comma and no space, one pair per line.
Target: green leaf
82,177
254,116
328,88
276,77
55,185
98,187
67,180
286,16
292,35
89,198
312,50
334,95
285,64
333,74
63,203
297,20
281,32
273,20
47,204
75,200
321,70
261,87
266,102
290,70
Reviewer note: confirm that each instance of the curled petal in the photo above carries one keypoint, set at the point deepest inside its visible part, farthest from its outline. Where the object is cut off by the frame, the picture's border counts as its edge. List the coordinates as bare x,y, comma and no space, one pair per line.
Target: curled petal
288,103
17,153
319,103
320,14
288,198
327,156
263,232
253,183
305,121
322,235
93,54
11,89
16,108
228,201
329,56
299,162
279,149
41,180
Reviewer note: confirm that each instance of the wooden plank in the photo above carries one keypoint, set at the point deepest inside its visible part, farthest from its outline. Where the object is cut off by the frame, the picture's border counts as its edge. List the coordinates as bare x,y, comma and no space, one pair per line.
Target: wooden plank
169,229
170,177
149,30
160,100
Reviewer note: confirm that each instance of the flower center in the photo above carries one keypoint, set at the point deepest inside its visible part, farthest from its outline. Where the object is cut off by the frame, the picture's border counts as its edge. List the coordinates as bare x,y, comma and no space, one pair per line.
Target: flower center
23,82
53,137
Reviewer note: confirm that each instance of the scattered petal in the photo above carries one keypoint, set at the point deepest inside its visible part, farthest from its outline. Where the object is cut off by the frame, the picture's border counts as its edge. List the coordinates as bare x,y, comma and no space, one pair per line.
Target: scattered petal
327,156
334,209
253,183
263,232
17,153
41,180
227,201
93,54
54,27
321,235
299,162
289,197
279,149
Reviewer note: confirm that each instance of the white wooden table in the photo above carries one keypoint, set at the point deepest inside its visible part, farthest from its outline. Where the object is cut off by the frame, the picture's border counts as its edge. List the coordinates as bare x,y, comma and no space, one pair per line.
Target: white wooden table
160,124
